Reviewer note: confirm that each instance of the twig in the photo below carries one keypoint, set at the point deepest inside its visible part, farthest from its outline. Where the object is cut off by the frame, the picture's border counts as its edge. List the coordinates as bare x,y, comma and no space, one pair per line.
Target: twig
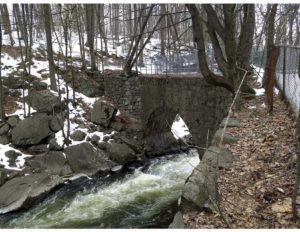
231,106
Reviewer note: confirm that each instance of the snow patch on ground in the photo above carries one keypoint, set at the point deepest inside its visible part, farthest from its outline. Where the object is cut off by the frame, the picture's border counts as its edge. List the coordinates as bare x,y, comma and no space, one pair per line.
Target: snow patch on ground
259,92
179,128
20,161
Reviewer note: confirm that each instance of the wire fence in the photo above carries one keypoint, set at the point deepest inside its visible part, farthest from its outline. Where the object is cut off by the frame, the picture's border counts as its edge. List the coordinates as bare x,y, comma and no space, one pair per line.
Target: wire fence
287,76
183,62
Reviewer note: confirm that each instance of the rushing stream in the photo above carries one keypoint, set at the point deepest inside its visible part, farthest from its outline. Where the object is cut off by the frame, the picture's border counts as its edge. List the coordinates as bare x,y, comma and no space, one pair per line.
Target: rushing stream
132,200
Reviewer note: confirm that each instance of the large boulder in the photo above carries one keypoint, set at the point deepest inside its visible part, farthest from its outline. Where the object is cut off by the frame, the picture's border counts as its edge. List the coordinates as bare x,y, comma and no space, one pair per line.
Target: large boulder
120,153
177,222
13,120
222,156
4,139
4,129
38,149
102,113
85,158
52,162
23,192
44,102
56,122
31,130
200,190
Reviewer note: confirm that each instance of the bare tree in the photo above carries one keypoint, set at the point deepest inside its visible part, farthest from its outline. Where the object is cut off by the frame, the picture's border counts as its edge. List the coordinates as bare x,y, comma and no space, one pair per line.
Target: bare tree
2,112
230,51
6,22
47,22
269,39
90,19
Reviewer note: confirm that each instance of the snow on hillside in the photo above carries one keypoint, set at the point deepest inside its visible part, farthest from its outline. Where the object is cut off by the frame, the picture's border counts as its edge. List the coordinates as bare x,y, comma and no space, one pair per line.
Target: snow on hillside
11,64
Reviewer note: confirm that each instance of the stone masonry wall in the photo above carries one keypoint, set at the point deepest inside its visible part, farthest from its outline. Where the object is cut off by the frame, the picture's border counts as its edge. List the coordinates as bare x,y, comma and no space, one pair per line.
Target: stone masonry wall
202,106
125,92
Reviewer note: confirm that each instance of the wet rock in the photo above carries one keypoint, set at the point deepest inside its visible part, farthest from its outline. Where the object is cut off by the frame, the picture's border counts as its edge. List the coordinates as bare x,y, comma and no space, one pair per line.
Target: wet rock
4,129
4,139
102,113
13,120
78,135
120,153
85,158
44,102
117,168
31,131
227,139
23,192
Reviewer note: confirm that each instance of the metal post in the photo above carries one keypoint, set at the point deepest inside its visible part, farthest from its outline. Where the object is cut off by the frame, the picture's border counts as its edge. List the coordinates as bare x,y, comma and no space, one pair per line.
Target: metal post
283,72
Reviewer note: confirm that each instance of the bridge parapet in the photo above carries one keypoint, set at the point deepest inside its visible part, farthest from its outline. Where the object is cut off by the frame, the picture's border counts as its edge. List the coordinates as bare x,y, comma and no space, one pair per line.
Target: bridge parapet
156,99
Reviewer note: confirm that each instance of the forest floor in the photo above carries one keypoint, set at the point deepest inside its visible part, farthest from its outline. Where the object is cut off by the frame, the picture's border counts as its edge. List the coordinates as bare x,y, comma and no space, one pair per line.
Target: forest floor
256,192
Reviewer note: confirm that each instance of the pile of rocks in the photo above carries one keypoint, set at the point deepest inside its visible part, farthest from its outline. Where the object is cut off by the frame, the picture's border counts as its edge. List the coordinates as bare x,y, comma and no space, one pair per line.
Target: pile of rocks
50,164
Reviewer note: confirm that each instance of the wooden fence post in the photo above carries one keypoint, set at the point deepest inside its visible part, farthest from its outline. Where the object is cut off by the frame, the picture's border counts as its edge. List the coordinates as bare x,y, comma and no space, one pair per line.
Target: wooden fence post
270,82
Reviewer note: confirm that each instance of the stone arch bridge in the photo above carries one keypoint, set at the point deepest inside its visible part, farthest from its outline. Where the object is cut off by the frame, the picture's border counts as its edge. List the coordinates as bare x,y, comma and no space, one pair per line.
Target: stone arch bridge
155,100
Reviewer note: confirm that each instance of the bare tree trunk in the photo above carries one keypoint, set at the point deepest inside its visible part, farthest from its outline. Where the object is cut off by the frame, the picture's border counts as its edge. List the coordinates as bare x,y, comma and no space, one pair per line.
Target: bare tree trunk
81,37
102,26
24,26
116,23
129,62
90,17
47,21
6,22
163,30
269,39
2,112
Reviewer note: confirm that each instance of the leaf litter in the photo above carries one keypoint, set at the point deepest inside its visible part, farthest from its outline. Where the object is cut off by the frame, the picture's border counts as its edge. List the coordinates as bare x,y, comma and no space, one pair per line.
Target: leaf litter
256,192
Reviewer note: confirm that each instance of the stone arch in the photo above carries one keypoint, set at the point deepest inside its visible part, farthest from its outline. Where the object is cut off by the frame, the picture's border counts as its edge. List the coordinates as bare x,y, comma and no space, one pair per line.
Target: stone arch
158,137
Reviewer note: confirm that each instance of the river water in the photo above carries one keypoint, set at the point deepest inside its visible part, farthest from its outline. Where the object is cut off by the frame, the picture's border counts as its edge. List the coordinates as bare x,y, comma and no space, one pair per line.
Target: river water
132,200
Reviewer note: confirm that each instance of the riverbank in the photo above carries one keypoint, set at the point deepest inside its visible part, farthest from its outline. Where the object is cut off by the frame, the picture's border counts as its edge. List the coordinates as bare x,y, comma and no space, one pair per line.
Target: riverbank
256,191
